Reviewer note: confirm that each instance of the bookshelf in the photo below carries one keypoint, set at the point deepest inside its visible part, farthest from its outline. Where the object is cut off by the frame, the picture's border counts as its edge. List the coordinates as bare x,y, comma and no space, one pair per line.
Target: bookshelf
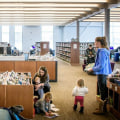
114,97
68,51
44,48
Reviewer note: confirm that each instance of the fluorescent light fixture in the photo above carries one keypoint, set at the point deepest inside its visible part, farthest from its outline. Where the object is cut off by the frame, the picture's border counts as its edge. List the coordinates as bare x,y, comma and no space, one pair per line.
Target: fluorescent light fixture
82,1
23,17
47,5
39,15
40,12
45,9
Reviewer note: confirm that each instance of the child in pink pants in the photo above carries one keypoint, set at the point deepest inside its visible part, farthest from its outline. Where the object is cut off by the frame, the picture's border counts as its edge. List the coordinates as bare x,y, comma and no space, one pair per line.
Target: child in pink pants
79,92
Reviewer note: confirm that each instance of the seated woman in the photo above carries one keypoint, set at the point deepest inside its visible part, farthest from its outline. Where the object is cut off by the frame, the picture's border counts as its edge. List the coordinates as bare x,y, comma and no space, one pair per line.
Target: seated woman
44,78
90,54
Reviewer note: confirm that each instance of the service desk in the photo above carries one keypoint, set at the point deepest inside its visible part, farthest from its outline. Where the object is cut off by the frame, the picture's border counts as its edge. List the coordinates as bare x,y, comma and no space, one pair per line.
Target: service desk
12,58
30,66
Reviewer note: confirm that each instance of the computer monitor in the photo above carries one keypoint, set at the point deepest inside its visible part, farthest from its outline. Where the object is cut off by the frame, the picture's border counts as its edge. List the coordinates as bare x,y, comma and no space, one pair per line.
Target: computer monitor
1,50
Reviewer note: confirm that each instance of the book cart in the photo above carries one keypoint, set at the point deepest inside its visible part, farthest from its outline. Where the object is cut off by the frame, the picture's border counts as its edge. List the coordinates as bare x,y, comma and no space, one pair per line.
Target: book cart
114,95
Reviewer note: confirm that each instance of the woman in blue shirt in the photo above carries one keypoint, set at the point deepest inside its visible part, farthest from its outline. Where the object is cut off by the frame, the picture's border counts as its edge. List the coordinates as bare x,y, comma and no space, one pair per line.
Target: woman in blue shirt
102,66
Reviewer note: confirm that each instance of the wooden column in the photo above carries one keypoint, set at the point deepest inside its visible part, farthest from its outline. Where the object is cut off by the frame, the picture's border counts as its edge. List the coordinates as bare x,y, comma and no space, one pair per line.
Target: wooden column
107,26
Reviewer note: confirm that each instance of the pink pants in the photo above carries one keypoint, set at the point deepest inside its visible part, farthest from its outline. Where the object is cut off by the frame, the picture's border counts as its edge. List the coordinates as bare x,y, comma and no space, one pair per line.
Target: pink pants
79,99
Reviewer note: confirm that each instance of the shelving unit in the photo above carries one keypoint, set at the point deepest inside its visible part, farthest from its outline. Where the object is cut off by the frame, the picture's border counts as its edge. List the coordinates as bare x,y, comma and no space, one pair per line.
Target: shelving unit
44,48
114,97
68,51
83,47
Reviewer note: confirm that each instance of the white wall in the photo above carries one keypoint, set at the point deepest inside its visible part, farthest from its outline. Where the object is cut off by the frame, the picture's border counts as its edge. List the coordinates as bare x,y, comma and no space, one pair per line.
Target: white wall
31,34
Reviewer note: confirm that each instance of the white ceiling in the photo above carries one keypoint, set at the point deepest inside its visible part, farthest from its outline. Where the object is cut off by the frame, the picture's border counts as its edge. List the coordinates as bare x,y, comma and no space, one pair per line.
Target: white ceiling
52,12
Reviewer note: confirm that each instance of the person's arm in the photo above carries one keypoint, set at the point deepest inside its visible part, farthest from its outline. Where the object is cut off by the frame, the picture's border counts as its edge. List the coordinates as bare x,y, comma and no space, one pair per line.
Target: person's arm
47,81
49,107
85,90
93,52
41,103
74,91
101,62
86,53
33,80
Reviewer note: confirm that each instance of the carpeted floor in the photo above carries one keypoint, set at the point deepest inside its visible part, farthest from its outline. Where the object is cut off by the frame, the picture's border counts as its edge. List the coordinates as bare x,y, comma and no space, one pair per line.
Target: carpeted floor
62,98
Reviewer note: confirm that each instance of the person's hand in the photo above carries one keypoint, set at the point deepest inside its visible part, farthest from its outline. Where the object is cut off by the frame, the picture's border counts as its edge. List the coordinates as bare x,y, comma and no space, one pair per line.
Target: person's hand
50,111
37,87
46,113
42,84
90,70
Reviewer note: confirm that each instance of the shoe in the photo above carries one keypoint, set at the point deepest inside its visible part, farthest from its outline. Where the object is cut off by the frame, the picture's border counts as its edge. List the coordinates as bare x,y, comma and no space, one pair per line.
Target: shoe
74,107
81,109
105,106
98,112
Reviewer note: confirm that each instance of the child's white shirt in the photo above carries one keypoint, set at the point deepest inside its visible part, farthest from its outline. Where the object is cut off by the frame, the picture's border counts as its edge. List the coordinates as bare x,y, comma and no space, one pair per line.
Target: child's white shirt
79,91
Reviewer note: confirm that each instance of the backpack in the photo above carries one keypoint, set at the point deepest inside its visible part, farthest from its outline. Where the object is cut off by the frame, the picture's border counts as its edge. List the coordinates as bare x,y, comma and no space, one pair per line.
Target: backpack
15,111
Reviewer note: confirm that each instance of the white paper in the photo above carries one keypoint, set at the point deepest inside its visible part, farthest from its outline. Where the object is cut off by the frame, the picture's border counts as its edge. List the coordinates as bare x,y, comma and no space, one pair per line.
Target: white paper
53,116
74,46
44,46
55,109
115,88
110,85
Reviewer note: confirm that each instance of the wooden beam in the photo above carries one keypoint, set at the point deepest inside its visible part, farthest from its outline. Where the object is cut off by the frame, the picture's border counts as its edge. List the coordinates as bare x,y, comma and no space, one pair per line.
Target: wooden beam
87,15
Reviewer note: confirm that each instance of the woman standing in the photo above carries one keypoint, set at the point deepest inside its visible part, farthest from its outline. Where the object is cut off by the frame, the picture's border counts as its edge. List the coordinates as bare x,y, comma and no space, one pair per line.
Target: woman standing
102,68
44,78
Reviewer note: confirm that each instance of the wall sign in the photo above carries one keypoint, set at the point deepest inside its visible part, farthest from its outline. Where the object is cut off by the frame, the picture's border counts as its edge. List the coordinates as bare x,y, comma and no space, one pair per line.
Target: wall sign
44,46
74,46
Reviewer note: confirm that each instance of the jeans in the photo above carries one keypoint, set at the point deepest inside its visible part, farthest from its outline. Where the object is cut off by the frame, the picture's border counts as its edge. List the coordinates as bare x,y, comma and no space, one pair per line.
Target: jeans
46,89
39,93
102,80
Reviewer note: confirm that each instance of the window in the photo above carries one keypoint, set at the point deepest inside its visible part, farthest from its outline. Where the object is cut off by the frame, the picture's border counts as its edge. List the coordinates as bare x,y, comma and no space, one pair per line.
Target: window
47,35
5,33
18,37
115,34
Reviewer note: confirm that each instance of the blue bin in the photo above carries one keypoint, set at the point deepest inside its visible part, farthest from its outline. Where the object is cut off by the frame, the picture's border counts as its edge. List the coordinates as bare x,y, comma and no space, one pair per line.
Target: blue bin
116,56
26,56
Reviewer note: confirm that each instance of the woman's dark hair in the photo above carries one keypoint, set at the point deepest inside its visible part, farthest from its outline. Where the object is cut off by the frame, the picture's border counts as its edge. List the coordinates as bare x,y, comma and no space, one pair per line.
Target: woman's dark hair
44,77
102,41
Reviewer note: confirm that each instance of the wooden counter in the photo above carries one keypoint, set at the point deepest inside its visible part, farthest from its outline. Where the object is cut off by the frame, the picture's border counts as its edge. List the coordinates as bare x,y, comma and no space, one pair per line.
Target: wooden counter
11,95
30,66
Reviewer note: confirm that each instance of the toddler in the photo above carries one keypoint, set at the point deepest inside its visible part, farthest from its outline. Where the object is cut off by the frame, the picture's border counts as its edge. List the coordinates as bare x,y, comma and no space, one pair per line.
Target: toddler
38,92
43,105
79,92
